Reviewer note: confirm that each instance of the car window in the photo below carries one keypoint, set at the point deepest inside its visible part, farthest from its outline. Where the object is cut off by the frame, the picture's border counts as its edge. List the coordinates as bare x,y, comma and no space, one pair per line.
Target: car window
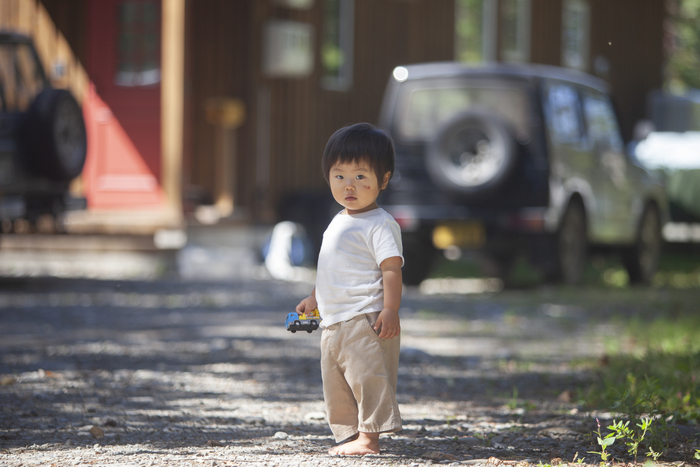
427,108
20,78
561,107
602,124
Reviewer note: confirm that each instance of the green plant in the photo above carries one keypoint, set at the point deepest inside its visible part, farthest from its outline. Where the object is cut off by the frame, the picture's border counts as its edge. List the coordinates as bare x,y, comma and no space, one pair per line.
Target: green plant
609,440
697,454
632,438
653,454
513,403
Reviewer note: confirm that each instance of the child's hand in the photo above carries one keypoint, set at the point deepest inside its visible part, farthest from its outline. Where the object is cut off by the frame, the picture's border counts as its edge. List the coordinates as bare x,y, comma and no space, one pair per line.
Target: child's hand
388,324
308,304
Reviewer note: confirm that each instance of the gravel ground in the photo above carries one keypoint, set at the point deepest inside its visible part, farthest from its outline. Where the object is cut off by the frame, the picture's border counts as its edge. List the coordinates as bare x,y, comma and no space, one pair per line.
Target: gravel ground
186,373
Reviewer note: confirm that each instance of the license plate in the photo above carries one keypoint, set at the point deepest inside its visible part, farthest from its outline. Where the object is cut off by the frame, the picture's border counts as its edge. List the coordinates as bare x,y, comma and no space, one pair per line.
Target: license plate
462,234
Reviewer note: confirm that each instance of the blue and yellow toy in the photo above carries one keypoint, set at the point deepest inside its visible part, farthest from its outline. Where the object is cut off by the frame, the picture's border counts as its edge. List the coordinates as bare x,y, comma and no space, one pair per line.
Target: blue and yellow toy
308,321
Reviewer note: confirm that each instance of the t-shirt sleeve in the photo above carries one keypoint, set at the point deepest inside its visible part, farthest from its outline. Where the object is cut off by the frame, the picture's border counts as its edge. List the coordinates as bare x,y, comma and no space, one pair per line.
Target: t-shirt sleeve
385,241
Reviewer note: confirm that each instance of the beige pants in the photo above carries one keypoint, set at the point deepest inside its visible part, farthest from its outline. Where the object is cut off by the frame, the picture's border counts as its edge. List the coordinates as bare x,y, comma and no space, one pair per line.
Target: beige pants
359,372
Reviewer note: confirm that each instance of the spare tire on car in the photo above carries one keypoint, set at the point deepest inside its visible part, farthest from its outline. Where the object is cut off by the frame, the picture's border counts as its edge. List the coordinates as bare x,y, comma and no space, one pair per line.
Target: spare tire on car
53,137
472,154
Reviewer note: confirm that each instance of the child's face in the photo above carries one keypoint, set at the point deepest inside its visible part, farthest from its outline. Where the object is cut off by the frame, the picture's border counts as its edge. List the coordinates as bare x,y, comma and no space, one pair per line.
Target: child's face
354,186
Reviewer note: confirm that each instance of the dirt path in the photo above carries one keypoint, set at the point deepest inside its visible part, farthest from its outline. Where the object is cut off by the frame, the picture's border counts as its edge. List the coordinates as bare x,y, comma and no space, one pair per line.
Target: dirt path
181,373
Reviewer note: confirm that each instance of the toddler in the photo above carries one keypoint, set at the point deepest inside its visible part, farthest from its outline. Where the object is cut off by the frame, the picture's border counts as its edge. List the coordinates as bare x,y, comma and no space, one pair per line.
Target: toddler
358,292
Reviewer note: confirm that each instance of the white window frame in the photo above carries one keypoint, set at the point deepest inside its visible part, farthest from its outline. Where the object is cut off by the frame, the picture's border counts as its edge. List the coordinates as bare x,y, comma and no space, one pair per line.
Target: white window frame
521,52
490,41
575,34
343,81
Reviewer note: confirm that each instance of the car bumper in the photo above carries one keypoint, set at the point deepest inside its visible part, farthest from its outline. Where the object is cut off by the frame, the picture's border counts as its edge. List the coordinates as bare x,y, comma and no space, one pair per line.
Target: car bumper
471,228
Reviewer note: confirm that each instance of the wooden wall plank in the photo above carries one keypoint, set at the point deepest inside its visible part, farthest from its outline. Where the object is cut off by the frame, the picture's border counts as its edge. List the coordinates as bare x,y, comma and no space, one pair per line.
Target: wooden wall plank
546,32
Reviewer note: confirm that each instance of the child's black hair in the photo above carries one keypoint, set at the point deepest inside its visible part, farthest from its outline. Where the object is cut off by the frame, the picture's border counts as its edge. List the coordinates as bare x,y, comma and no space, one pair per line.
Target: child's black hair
360,142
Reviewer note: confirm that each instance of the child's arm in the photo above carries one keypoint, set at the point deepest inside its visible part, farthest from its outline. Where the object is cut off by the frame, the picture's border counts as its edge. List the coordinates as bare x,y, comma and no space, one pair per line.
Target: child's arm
388,320
308,304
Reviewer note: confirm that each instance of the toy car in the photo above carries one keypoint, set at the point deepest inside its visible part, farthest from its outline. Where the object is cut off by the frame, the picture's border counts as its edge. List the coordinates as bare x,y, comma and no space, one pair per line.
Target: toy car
303,322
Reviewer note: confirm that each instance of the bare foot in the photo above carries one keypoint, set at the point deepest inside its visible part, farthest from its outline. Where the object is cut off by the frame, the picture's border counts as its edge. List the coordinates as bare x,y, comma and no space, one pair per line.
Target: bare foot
365,443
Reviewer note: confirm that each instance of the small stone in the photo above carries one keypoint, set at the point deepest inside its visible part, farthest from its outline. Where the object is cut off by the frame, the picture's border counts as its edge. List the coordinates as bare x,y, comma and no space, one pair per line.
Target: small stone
97,432
110,422
6,380
68,442
470,440
438,456
213,443
254,421
497,439
315,416
281,435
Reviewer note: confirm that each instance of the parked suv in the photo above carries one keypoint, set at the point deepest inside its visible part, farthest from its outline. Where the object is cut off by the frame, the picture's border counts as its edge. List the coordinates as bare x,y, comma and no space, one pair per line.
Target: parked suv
505,159
42,137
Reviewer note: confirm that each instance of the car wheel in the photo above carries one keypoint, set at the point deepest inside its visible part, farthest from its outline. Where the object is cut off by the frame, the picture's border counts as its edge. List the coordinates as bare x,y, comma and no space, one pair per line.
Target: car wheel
642,260
571,246
53,136
419,254
472,154
297,323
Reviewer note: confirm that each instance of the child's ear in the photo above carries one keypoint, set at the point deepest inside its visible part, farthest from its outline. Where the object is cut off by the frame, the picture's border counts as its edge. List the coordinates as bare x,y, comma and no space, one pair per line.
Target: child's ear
385,182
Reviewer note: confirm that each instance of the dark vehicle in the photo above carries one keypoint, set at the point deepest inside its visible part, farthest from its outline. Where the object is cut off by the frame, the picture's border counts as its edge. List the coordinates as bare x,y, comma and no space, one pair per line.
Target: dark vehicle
509,159
42,137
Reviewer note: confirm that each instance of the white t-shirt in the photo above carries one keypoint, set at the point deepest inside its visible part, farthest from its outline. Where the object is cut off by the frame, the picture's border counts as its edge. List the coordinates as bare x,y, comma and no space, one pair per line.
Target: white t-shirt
348,277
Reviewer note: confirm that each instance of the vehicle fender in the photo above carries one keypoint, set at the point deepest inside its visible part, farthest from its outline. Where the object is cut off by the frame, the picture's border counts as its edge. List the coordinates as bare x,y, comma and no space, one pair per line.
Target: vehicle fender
561,195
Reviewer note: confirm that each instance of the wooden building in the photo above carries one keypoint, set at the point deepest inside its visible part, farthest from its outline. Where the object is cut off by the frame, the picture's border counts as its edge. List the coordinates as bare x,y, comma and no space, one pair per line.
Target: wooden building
223,107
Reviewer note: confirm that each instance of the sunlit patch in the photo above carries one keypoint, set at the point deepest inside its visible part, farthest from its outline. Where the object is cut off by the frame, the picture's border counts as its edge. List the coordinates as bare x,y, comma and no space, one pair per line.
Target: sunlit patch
460,286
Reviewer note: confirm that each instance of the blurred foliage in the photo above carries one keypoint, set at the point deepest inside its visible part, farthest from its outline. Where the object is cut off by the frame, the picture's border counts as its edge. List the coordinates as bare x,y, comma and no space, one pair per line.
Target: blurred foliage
684,45
469,30
678,269
657,382
652,367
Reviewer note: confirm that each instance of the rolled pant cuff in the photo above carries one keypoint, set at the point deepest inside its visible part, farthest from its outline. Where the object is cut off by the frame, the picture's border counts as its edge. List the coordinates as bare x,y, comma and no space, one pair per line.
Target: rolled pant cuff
344,434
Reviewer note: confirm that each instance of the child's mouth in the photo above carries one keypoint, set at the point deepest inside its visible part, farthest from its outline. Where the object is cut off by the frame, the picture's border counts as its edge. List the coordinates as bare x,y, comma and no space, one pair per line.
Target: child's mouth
350,198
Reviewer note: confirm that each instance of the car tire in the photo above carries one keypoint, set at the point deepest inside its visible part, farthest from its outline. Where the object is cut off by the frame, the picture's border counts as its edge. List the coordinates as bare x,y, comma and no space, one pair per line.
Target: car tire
642,260
570,246
53,136
419,255
471,155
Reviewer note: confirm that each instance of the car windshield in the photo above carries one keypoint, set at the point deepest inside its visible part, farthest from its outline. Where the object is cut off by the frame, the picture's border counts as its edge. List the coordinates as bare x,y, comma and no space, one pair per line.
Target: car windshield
20,77
427,107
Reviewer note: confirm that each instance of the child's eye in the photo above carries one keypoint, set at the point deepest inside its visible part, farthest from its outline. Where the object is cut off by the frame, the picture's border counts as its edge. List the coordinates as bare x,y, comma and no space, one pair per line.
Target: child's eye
360,177
339,177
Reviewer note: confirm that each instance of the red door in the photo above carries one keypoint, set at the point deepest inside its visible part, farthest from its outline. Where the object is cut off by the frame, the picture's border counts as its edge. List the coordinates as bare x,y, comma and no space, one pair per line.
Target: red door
123,107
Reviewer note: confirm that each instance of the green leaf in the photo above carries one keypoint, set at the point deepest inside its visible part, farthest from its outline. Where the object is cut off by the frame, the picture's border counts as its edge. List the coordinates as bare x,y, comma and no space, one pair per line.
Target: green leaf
606,442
